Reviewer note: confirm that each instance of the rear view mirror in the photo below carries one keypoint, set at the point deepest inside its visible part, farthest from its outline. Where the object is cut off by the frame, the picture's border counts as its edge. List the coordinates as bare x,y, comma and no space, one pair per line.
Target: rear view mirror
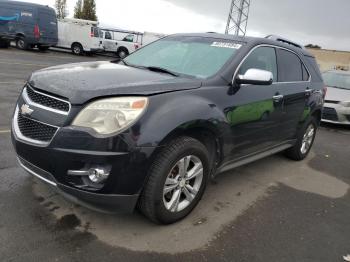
255,77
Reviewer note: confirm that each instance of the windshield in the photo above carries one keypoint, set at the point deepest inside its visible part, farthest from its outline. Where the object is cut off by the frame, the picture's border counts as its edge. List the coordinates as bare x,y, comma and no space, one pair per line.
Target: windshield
193,56
339,80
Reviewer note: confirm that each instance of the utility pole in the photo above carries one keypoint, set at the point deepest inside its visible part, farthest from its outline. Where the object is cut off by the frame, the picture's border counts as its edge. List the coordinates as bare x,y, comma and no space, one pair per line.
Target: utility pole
238,17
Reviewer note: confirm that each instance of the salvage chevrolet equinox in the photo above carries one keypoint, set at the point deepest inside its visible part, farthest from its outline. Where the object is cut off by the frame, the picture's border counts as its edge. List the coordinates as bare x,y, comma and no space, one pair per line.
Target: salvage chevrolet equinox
148,131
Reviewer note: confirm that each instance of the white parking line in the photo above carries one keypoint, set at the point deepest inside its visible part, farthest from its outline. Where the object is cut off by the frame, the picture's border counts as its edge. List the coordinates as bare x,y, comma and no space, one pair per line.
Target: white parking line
5,131
19,53
23,64
13,82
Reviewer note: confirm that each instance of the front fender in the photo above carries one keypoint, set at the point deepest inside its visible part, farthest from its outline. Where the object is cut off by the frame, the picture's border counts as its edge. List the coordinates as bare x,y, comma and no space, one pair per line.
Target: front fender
171,112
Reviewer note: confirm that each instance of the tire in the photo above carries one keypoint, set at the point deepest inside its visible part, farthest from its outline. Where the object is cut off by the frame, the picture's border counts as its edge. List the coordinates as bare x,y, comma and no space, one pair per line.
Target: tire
122,53
305,139
77,49
154,203
43,48
22,44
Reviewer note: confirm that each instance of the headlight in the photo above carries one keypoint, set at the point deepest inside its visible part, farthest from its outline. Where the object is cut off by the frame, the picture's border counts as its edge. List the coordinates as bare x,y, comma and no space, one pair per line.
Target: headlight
112,115
345,104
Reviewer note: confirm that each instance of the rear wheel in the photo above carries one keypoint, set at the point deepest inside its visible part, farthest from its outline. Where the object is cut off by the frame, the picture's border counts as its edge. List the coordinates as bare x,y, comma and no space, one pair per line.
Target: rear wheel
22,44
177,180
77,49
122,53
305,140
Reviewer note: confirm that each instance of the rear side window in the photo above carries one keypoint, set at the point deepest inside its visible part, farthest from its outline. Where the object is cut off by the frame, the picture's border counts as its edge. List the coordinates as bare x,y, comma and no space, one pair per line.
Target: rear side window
129,38
263,58
96,32
306,75
290,68
312,61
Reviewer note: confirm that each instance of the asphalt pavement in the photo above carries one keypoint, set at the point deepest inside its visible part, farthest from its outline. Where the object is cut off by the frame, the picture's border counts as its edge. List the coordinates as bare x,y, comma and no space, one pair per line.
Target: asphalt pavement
271,210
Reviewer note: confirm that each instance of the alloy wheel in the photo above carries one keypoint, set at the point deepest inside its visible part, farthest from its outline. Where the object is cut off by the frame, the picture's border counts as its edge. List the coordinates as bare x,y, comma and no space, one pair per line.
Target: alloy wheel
21,44
76,50
307,139
183,183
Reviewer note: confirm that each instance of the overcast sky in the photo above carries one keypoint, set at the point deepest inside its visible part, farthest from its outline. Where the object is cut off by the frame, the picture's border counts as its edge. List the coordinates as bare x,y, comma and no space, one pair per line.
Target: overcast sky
322,22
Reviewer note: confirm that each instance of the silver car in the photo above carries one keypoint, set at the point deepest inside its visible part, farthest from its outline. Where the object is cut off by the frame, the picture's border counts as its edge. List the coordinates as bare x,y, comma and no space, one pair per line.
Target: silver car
337,104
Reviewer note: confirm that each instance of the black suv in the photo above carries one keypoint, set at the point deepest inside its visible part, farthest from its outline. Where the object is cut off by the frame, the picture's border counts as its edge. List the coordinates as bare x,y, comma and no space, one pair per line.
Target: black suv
150,130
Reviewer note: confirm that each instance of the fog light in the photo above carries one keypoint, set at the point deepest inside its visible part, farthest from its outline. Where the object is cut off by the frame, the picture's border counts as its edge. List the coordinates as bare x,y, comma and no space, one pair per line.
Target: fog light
98,175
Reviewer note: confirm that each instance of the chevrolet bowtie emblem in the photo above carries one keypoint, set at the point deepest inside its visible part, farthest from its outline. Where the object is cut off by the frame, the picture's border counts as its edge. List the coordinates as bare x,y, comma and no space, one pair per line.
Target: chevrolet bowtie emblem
26,110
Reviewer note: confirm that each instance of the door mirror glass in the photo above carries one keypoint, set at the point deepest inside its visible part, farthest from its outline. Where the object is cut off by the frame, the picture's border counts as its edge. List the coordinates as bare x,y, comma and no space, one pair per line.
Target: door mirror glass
255,77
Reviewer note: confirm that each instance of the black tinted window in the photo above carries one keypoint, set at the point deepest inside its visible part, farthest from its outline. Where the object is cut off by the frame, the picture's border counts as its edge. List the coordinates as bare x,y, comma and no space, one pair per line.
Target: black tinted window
289,67
306,75
129,38
108,35
263,58
96,32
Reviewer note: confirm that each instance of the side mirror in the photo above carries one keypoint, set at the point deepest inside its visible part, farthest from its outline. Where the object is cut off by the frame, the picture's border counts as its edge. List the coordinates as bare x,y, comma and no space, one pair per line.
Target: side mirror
255,77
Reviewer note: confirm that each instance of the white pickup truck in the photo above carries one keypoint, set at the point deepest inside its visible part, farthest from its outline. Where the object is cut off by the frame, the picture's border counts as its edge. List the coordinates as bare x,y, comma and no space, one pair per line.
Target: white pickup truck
122,43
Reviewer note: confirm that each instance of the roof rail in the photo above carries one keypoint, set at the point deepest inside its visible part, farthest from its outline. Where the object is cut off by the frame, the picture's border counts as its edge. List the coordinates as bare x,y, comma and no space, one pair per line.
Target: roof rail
283,40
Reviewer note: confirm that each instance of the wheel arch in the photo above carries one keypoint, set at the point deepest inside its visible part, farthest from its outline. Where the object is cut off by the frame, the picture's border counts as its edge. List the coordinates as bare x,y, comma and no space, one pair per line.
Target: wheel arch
188,115
204,133
123,48
20,35
76,43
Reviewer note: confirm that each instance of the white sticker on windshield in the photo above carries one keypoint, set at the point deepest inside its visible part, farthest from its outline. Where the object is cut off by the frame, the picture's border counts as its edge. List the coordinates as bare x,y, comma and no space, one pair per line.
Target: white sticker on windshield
226,45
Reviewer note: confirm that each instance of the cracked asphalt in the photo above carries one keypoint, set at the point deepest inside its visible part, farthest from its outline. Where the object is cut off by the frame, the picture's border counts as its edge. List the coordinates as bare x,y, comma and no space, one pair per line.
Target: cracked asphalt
271,210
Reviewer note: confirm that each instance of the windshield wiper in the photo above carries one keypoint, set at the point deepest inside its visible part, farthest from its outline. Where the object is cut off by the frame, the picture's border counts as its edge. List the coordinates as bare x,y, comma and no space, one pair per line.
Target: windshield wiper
161,70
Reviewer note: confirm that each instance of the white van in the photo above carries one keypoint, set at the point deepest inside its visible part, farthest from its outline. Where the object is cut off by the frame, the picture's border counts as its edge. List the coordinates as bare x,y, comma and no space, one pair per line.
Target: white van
81,36
122,43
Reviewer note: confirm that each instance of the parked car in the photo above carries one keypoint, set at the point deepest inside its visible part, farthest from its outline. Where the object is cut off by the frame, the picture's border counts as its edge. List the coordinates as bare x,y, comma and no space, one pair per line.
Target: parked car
122,43
337,105
150,130
29,25
80,36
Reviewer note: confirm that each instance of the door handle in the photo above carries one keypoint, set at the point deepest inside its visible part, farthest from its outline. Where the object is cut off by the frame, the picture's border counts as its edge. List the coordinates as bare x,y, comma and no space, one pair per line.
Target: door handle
278,98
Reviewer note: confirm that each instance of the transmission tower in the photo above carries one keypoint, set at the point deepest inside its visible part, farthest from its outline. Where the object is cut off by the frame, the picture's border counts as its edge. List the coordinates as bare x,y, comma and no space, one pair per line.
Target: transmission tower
238,17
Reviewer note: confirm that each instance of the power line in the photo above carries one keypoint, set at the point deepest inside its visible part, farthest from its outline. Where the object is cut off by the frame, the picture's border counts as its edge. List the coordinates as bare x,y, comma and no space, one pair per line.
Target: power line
238,17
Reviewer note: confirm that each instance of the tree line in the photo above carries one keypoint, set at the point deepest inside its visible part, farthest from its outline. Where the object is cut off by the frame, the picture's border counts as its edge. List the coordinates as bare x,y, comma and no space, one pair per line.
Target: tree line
84,9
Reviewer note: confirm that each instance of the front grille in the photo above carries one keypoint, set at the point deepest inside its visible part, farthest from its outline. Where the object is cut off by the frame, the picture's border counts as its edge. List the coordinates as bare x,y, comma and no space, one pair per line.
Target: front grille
46,100
35,130
330,114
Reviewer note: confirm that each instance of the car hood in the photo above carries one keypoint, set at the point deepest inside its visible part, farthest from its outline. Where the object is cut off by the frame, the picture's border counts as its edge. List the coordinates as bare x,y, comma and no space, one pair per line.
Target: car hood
337,94
82,82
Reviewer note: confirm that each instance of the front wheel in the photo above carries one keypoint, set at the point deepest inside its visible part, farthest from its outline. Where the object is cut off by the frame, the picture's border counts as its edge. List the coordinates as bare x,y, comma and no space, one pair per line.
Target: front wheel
177,181
122,53
305,140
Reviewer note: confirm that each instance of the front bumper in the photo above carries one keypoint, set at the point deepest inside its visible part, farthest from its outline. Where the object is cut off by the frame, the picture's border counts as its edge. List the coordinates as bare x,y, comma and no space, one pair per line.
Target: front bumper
107,203
336,114
51,164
